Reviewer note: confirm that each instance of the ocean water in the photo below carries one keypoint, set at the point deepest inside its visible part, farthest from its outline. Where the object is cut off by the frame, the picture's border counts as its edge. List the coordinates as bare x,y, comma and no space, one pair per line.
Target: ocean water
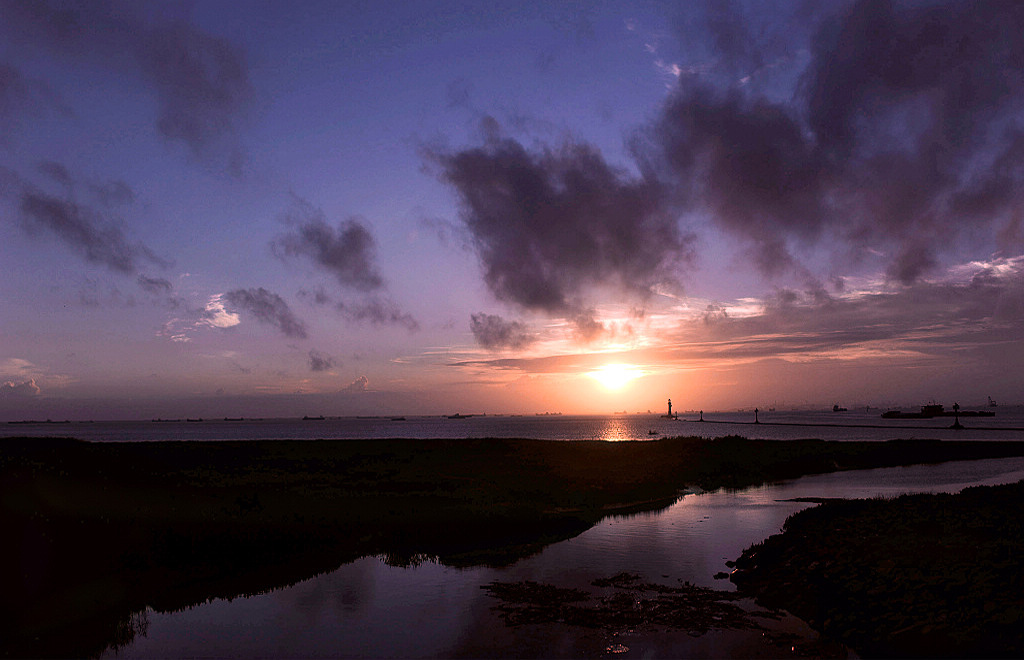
1007,424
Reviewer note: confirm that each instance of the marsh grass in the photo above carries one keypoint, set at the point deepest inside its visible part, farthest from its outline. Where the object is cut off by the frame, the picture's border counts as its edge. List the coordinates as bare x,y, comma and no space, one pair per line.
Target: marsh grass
912,576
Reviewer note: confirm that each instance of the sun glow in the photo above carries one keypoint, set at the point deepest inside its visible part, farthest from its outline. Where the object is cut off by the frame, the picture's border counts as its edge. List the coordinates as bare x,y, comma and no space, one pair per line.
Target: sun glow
616,376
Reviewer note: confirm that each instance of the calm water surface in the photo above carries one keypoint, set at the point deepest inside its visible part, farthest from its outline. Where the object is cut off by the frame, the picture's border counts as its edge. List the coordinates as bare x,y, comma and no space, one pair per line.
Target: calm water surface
783,425
370,609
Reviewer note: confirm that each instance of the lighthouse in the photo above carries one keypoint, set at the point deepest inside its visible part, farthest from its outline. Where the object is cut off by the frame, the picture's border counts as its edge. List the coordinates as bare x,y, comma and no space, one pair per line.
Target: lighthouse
669,415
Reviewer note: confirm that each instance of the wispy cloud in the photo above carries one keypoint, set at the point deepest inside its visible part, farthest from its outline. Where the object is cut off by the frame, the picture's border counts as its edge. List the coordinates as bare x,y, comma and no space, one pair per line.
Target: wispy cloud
85,216
348,252
89,230
269,308
200,81
378,311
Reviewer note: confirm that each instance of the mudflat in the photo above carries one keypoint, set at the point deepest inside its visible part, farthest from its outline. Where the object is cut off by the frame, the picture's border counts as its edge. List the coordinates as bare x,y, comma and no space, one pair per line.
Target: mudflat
101,530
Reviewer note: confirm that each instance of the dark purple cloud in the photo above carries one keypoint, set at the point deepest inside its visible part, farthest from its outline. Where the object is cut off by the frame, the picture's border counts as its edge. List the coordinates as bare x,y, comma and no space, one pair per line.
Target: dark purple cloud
157,286
348,252
378,311
268,308
550,225
85,223
200,81
13,89
903,135
22,97
56,171
84,229
319,361
496,333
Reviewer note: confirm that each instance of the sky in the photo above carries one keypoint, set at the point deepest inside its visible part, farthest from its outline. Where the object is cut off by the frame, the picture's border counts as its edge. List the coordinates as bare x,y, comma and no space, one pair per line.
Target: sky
258,208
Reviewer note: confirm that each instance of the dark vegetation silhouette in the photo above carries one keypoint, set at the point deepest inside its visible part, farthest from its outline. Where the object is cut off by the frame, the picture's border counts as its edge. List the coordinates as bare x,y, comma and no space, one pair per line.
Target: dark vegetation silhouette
915,576
98,532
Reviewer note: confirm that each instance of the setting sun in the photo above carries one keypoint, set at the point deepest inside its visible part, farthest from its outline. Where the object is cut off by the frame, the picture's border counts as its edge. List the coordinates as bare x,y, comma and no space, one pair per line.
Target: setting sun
616,376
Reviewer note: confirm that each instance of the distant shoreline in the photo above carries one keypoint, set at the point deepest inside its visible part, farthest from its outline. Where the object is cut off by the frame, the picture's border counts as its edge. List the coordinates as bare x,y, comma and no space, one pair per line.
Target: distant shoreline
854,426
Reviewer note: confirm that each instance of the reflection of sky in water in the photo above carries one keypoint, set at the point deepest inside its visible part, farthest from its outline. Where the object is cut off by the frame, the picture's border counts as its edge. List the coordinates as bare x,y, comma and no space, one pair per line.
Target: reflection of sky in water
367,608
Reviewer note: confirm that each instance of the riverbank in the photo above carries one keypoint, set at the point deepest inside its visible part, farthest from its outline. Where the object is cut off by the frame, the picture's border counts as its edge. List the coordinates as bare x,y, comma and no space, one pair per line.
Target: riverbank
103,530
915,576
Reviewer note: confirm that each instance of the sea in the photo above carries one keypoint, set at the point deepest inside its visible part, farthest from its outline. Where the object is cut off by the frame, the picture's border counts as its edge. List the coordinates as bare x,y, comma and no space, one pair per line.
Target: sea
862,424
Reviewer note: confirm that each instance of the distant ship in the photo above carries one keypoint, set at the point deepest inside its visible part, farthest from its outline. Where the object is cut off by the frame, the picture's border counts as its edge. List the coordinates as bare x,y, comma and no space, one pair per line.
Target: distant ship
836,408
992,403
935,410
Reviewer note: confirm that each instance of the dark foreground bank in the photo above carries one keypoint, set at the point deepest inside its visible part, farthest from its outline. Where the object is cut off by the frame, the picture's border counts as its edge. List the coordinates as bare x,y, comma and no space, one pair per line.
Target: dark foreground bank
916,576
98,532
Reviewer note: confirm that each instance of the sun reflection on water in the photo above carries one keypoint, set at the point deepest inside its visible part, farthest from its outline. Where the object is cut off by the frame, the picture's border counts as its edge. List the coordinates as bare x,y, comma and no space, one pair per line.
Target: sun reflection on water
616,430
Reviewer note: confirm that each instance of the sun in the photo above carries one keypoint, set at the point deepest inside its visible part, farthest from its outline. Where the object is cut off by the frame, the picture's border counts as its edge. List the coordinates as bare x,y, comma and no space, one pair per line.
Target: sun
616,376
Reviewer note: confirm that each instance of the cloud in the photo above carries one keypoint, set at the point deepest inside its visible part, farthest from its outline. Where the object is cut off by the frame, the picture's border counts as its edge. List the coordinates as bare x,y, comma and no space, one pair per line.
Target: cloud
319,361
347,252
200,81
587,328
92,227
85,229
549,225
269,308
13,89
215,315
495,333
902,134
378,311
358,385
21,97
968,320
25,389
156,286
56,171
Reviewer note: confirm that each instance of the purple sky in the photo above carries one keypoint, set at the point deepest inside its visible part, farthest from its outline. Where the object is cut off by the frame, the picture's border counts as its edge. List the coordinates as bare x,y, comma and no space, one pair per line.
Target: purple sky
263,208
